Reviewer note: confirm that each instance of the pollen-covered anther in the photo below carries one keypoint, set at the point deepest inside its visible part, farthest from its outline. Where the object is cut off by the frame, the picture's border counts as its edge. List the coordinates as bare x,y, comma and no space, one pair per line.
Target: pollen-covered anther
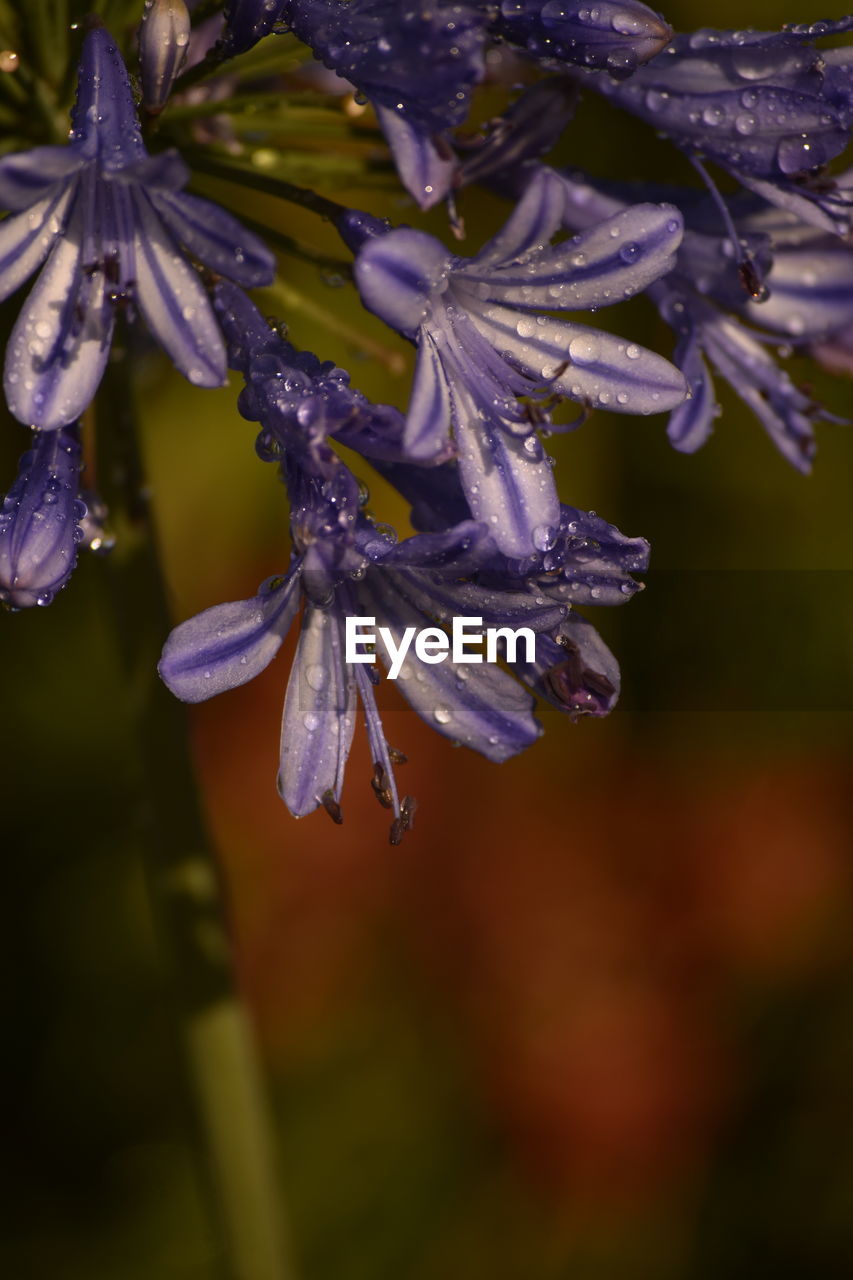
381,784
333,809
405,822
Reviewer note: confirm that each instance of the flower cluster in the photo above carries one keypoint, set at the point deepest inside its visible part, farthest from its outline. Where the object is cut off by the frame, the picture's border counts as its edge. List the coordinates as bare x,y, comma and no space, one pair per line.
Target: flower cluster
122,249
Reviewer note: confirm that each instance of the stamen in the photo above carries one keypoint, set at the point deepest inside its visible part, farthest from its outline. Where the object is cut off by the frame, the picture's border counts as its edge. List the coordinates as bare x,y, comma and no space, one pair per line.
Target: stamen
405,822
381,784
749,274
333,809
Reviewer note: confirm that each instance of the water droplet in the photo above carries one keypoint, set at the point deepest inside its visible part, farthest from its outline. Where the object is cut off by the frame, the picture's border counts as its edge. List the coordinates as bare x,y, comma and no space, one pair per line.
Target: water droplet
442,715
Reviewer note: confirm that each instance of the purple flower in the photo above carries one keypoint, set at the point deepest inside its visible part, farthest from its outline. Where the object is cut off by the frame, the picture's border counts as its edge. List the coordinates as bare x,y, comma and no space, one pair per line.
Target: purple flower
768,107
417,63
481,345
616,35
420,582
40,520
707,297
109,218
295,396
247,22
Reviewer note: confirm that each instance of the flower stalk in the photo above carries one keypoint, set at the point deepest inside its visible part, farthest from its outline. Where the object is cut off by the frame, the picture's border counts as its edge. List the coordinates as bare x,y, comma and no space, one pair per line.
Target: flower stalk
231,1114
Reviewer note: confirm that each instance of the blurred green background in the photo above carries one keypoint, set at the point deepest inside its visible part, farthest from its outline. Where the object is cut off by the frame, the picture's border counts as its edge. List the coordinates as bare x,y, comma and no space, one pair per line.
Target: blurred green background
594,1019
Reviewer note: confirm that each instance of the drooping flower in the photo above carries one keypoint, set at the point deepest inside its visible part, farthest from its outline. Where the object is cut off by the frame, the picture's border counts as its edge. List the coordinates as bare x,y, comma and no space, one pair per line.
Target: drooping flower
40,517
345,566
416,62
767,106
707,298
482,346
109,218
616,35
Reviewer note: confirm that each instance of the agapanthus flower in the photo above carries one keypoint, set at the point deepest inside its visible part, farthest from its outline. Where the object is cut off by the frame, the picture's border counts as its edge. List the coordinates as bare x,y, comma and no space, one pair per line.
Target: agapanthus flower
345,566
767,106
482,347
40,520
616,35
417,64
706,300
109,218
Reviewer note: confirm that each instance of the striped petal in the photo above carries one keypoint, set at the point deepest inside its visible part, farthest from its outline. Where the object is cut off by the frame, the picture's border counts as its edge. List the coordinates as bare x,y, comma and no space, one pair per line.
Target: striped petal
59,345
319,716
584,364
228,645
215,238
174,301
26,238
614,260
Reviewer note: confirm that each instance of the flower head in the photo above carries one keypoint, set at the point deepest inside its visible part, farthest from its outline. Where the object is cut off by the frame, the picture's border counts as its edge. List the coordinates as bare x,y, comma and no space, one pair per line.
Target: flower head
109,218
783,276
40,519
482,346
345,566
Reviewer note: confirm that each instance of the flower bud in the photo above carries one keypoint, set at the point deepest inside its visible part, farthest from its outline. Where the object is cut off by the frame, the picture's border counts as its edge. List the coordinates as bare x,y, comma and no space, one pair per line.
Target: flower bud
40,520
163,41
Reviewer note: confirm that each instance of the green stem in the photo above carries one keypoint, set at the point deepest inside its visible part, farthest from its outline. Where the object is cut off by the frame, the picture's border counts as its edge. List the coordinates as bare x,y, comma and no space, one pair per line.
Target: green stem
248,177
230,1107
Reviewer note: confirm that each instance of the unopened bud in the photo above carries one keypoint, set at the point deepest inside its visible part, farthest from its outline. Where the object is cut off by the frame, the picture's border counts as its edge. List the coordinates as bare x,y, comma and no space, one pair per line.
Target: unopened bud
40,520
164,37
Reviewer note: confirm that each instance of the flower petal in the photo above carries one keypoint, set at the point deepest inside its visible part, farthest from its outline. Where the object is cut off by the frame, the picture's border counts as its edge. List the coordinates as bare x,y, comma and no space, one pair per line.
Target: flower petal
535,219
578,675
509,486
427,426
228,645
319,716
425,172
216,238
104,118
613,260
29,176
811,290
397,274
784,411
59,345
484,708
174,301
588,365
25,239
